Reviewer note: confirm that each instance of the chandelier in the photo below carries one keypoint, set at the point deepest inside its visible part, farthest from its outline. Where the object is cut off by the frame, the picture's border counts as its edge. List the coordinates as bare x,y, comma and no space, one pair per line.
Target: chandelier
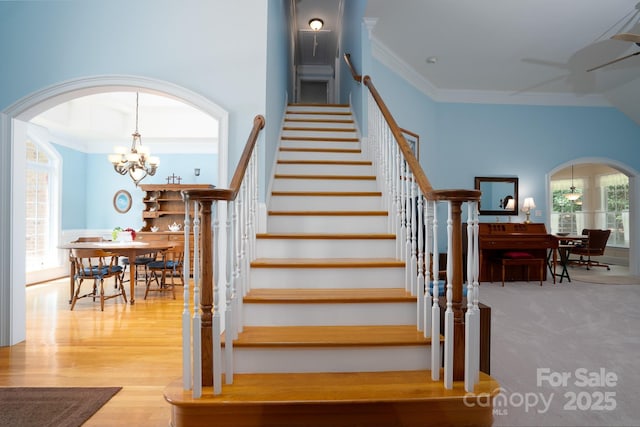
573,196
137,162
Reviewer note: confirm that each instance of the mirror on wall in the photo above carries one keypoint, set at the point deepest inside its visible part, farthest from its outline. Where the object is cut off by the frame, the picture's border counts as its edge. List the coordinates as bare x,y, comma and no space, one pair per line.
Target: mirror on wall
499,195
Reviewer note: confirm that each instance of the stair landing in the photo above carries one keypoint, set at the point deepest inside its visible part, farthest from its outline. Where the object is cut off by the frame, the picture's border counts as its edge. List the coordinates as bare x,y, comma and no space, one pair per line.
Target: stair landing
371,399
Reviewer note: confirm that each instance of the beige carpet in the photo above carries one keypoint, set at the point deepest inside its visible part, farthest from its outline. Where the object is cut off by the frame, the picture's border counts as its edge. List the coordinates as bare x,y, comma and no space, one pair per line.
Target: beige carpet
51,406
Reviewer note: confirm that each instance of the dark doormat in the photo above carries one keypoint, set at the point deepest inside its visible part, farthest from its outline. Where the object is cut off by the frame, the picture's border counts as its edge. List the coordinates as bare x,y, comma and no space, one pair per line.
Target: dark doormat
51,406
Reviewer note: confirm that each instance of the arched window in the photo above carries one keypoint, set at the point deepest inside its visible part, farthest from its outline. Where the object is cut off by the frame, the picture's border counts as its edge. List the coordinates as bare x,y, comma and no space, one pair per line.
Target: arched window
42,207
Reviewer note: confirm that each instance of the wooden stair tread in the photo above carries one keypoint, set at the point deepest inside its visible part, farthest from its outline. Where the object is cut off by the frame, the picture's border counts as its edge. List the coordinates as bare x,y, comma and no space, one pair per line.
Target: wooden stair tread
332,387
305,176
333,295
372,399
318,120
327,162
317,129
326,263
318,138
329,213
330,336
321,150
328,193
345,236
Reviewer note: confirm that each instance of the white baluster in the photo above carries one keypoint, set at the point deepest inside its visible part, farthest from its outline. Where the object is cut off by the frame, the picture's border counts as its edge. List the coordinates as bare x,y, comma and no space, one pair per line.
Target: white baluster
435,310
420,259
428,248
197,319
476,287
448,314
413,229
216,324
237,282
228,314
186,315
470,315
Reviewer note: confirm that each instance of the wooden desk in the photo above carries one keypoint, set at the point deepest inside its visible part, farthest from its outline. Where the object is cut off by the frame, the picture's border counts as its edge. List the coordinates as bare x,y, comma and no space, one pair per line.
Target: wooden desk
129,249
563,249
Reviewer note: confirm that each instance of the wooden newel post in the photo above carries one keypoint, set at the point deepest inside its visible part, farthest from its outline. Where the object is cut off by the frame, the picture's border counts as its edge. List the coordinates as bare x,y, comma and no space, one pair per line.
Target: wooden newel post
457,279
206,293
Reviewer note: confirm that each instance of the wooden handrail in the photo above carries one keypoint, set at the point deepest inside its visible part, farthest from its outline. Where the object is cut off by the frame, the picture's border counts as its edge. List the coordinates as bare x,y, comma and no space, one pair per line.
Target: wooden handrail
357,77
414,165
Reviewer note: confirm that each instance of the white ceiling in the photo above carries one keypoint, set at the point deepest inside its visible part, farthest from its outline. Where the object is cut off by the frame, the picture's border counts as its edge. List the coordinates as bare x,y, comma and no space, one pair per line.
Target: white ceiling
506,51
520,51
95,123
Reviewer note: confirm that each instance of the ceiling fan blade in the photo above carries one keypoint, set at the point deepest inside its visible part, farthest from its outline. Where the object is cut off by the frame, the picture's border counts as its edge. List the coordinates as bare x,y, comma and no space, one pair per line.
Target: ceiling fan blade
614,61
627,37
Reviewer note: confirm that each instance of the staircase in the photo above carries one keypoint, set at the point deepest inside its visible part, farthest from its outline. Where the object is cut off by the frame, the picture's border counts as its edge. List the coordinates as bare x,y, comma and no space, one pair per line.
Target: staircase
329,335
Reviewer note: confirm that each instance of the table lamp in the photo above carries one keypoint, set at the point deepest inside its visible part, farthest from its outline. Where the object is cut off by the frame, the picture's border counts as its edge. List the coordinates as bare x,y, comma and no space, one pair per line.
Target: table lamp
526,208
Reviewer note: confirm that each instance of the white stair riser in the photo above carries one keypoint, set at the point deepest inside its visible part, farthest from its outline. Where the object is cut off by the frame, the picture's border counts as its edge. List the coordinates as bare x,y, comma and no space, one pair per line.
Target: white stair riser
348,145
324,169
320,125
326,224
325,203
322,278
328,359
312,133
320,108
304,184
319,116
290,314
325,248
320,155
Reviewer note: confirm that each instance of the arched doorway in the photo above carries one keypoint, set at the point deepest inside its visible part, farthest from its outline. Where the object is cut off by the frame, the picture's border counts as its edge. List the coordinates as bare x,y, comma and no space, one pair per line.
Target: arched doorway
587,178
12,184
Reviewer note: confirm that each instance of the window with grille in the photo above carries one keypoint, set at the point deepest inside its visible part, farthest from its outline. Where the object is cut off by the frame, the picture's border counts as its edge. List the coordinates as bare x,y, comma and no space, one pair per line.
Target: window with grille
615,202
566,215
40,219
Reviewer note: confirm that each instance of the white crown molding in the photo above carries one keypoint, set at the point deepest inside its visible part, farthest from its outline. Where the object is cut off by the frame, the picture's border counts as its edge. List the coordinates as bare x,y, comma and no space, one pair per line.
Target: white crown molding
383,54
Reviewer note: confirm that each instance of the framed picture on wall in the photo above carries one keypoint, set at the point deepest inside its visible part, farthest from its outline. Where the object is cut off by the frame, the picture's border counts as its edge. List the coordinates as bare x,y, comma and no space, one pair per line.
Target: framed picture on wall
122,201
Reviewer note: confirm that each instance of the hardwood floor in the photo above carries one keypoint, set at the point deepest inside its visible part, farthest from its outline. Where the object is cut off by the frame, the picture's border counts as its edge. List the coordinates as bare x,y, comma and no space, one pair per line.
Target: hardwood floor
137,347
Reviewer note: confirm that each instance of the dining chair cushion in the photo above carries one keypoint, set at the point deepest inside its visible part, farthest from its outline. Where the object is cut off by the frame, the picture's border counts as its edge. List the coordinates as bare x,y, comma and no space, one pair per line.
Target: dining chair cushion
517,255
99,272
164,264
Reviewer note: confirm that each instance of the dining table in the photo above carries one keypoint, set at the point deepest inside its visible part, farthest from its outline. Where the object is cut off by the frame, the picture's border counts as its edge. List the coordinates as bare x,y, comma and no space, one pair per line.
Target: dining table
129,249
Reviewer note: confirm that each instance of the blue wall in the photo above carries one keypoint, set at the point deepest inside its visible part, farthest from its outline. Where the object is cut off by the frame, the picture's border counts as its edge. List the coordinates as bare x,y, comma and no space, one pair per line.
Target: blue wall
216,48
89,184
461,141
352,43
279,78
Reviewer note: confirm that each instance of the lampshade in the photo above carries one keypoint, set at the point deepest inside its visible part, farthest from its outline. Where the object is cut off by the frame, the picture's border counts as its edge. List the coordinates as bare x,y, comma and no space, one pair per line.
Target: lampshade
511,205
316,24
528,204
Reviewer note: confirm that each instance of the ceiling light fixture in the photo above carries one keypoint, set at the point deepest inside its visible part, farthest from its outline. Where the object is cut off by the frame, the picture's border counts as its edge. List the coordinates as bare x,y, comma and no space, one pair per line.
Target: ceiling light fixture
573,196
316,24
138,162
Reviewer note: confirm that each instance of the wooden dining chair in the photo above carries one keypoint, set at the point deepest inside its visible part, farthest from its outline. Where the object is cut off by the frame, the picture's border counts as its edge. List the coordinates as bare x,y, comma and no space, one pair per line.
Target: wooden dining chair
95,265
168,268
